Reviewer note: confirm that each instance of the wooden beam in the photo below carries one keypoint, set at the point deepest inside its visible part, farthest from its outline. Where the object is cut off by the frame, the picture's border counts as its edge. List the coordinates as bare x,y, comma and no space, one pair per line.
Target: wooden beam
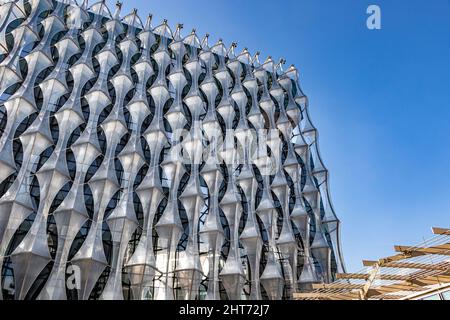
440,231
411,265
407,287
391,297
351,296
409,251
443,249
361,276
311,295
326,296
418,282
382,262
373,293
435,279
399,287
335,285
386,289
368,263
413,284
302,295
368,285
425,282
393,277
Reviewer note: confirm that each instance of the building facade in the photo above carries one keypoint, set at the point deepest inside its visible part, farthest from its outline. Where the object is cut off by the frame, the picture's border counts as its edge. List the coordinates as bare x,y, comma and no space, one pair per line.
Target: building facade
138,163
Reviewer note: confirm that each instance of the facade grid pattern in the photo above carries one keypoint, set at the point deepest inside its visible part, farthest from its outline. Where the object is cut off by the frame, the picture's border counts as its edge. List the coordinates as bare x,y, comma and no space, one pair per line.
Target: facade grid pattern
152,165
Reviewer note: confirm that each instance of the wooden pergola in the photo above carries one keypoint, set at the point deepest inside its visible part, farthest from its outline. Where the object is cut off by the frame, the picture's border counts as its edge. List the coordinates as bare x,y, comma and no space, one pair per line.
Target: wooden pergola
414,269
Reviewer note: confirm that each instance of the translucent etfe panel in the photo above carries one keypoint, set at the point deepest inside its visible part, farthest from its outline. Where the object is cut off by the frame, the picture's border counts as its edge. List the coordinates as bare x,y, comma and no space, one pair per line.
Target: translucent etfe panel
446,295
433,297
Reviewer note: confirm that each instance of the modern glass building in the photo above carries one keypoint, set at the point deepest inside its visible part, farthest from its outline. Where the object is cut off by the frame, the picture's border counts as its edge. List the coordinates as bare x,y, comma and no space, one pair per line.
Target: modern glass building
140,163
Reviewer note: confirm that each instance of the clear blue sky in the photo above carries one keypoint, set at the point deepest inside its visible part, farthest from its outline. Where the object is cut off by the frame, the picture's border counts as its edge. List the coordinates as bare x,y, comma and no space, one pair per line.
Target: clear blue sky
380,100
